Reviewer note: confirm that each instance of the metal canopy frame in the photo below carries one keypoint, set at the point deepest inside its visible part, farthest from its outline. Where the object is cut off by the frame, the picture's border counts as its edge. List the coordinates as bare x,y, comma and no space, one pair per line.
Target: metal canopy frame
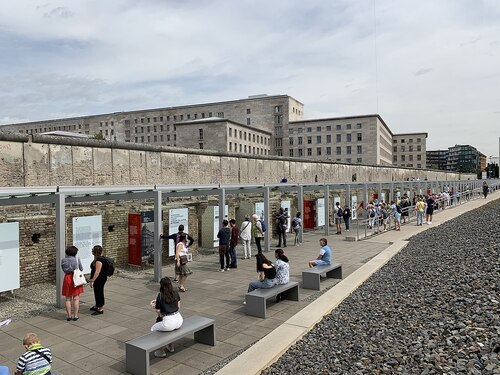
59,196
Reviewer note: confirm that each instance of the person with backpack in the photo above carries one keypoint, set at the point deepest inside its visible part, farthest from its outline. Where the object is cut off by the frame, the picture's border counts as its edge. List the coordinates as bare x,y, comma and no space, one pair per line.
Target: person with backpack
296,224
338,212
282,222
176,238
258,231
405,207
396,214
98,278
346,215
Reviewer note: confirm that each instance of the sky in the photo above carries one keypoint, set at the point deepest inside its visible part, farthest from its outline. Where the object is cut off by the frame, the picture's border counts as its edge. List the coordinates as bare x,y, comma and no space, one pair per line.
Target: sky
423,65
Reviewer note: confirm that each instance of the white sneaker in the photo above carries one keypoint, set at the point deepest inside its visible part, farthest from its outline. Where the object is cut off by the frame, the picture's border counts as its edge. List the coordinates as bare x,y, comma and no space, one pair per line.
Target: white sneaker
429,222
222,270
244,302
227,269
160,353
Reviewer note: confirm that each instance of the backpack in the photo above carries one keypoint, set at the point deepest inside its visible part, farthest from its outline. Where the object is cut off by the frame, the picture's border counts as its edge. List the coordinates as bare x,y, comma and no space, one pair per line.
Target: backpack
263,225
110,266
340,212
372,212
398,209
295,223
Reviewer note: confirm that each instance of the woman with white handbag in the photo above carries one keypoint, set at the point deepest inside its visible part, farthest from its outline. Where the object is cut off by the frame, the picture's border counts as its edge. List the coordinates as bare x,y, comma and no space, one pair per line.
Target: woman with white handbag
69,264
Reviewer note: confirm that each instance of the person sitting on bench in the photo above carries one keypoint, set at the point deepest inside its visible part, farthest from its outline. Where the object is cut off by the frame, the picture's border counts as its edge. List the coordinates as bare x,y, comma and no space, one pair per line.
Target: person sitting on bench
167,305
267,274
325,255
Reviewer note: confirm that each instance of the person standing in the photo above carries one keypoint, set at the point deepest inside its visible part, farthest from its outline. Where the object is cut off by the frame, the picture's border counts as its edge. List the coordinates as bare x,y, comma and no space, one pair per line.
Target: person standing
429,210
338,213
420,207
257,232
98,277
246,237
296,224
485,189
324,256
181,268
167,305
233,242
224,235
346,215
72,293
176,238
282,225
396,214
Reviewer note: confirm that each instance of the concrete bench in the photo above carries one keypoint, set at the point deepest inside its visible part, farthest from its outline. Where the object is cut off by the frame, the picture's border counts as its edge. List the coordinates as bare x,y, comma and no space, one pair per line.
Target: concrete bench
312,276
138,350
256,300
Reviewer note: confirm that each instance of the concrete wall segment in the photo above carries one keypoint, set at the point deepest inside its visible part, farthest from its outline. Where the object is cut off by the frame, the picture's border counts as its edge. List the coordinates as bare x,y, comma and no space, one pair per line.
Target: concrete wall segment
36,164
42,164
11,164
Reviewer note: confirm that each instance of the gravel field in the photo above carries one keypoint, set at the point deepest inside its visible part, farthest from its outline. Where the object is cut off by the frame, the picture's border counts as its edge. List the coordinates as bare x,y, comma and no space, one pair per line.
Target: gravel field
433,309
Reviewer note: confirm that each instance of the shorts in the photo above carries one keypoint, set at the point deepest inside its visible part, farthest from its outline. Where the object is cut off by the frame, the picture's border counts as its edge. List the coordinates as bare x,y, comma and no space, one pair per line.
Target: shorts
338,220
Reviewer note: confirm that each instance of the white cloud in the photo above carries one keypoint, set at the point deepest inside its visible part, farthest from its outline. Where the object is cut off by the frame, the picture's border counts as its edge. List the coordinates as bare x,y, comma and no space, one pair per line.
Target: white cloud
423,66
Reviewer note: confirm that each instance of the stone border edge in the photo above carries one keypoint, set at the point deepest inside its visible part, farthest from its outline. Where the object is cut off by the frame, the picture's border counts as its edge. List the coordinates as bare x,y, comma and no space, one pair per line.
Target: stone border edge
267,350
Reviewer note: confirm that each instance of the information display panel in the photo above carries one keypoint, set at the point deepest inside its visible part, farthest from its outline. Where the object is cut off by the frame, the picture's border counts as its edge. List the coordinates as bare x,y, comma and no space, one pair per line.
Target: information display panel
87,232
9,257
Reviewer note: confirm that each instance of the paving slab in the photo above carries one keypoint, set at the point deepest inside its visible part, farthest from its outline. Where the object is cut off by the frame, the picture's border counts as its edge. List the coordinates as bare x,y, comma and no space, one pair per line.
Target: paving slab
96,344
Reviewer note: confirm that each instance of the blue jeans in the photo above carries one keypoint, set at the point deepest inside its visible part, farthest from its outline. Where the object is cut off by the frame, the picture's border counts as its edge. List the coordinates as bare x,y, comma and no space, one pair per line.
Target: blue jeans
420,217
257,284
232,256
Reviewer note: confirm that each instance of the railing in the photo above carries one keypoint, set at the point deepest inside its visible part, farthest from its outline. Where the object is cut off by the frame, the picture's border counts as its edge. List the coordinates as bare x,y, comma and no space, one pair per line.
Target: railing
372,226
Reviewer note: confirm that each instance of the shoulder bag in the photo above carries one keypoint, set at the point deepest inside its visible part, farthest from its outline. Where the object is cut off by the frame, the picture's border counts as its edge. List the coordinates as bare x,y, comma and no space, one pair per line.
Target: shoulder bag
78,276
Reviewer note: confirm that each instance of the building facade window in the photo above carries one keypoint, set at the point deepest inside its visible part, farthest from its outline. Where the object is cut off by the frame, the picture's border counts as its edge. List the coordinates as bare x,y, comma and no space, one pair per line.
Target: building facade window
348,150
309,152
339,150
318,139
359,137
359,149
200,132
309,139
328,150
299,140
339,127
318,151
328,138
339,138
349,137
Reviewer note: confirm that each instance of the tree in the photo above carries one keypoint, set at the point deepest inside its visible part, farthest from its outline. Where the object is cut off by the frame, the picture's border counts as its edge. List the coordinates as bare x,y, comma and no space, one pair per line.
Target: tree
98,136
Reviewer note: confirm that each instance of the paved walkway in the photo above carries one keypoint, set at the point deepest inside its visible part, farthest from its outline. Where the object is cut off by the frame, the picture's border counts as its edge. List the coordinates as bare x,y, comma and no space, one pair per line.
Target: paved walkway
96,344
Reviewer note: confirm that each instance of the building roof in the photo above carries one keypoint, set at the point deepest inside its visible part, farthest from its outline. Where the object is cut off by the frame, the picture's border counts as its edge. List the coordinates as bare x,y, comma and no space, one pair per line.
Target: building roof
218,119
416,133
84,117
62,133
344,118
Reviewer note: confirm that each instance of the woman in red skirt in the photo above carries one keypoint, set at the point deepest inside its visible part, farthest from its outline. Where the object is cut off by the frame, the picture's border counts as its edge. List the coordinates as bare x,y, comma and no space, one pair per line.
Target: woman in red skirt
69,290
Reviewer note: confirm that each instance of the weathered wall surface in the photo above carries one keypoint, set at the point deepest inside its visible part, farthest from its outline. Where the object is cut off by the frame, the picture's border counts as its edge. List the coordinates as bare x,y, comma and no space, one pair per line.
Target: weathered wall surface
45,161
